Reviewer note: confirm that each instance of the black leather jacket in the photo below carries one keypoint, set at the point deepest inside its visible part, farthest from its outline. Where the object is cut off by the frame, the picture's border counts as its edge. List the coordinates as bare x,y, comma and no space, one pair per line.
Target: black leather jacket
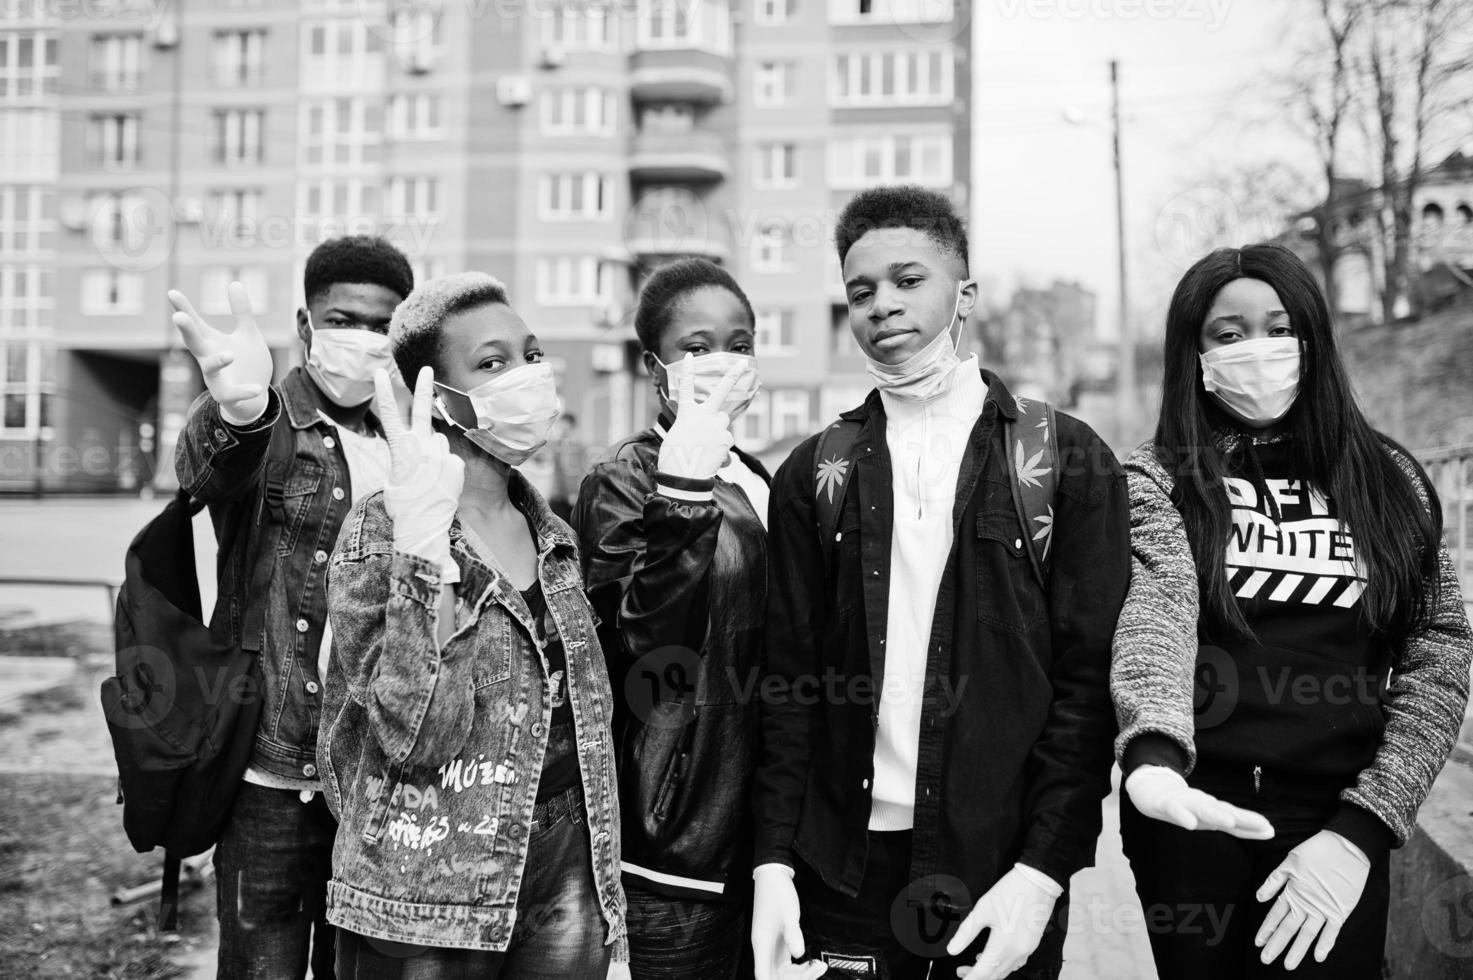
681,586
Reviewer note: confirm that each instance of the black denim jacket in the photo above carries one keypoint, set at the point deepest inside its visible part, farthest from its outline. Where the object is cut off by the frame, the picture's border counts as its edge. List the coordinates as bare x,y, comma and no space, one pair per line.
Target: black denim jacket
1016,725
225,466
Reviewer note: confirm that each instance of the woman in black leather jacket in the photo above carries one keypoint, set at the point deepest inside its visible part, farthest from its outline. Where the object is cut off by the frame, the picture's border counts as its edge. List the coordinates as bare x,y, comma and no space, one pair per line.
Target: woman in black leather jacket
676,568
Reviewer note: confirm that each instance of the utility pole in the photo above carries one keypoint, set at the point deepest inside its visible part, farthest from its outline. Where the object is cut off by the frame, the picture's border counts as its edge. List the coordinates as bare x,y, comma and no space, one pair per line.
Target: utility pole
1125,400
174,375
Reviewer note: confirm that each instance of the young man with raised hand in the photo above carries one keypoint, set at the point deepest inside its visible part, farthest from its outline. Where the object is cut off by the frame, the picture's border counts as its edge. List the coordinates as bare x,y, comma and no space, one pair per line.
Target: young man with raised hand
950,781
273,861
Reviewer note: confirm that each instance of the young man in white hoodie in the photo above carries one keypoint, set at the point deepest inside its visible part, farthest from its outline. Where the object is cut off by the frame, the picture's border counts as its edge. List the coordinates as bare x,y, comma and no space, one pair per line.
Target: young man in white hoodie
936,726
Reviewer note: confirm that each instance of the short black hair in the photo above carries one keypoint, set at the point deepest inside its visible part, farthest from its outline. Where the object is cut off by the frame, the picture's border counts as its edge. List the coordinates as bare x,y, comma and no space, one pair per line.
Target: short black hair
355,259
902,206
668,285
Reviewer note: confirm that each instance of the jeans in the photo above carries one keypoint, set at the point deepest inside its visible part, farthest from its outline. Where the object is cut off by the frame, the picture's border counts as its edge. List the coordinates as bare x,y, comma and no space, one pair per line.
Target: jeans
877,936
1197,889
682,939
272,866
559,933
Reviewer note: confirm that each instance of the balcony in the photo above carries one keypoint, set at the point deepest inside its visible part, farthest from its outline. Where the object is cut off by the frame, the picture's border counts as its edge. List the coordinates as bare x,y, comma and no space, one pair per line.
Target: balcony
670,222
689,157
679,74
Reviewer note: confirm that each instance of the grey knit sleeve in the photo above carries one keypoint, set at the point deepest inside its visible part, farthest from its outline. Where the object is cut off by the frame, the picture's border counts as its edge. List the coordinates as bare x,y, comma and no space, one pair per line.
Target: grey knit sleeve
1155,647
1427,697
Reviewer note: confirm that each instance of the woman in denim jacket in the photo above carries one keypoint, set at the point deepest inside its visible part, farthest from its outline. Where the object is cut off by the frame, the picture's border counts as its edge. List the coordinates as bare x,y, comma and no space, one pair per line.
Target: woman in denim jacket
466,747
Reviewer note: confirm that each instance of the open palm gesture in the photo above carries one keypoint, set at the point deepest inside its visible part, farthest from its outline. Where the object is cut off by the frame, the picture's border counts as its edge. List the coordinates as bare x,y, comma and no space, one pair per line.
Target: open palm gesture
236,363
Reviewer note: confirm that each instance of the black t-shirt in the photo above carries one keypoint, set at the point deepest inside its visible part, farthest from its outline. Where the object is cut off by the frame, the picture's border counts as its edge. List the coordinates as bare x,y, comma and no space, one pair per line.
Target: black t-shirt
560,764
1304,698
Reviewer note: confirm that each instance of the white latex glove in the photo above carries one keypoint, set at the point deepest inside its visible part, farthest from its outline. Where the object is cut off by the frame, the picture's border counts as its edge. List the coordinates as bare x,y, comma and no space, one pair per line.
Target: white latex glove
776,938
1163,794
1017,910
618,970
1322,880
236,364
698,442
425,477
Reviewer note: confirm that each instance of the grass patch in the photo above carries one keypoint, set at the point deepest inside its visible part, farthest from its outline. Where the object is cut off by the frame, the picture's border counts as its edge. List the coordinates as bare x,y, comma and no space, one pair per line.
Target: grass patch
62,855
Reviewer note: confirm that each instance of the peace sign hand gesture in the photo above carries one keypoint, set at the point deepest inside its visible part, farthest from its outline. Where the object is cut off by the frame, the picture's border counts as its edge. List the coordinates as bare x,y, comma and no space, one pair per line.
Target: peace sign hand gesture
236,364
697,445
425,477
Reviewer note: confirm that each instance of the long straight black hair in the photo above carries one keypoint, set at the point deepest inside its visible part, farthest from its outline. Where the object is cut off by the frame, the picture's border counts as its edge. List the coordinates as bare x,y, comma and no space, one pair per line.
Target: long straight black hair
1333,446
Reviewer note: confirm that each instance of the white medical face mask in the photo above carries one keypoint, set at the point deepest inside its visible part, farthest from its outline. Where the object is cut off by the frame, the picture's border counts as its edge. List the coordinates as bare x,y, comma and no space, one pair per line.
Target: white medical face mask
342,361
1257,379
706,371
927,372
510,416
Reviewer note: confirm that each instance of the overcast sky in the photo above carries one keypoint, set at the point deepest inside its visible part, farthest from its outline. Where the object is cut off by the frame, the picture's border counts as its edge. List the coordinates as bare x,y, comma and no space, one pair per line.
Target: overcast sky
1197,97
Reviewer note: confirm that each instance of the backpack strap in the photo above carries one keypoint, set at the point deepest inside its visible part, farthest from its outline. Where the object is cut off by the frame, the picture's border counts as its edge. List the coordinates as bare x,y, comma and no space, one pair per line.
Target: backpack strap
1032,452
270,518
169,894
831,468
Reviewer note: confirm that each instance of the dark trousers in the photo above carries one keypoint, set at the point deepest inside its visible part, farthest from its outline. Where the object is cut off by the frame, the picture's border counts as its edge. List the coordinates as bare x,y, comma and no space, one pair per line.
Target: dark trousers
889,932
684,939
559,933
1197,888
272,866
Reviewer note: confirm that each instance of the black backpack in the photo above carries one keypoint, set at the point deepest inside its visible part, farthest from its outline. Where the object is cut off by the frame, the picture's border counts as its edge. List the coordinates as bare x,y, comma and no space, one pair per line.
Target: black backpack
1033,464
184,705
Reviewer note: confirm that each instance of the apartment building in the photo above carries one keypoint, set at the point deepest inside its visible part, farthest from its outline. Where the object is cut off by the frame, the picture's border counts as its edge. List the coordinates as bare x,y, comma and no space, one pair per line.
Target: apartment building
566,146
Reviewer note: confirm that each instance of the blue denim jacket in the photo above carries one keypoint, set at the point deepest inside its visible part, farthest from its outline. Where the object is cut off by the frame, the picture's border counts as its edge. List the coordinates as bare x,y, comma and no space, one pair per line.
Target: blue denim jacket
225,466
431,758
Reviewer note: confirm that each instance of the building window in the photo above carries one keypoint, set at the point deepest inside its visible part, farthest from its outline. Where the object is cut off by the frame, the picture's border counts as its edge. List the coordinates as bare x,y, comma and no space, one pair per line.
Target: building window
29,66
575,197
342,54
844,343
111,292
898,78
27,299
235,211
337,198
237,136
415,117
30,143
584,111
581,281
770,248
22,221
752,429
667,117
891,11
426,269
112,140
239,58
416,37
115,62
573,29
774,332
864,161
122,221
777,165
790,414
418,197
27,370
342,132
773,83
214,287
774,11
682,24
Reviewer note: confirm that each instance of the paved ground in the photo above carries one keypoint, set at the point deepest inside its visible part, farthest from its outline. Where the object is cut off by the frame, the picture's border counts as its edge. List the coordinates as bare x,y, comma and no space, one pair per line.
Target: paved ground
86,538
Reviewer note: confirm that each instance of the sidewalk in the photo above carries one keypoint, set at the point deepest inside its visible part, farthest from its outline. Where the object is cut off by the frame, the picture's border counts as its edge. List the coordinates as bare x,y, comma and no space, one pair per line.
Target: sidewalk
1107,934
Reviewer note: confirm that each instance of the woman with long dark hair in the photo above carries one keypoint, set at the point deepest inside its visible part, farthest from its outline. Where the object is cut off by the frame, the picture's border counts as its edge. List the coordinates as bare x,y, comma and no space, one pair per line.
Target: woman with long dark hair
1288,557
674,543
